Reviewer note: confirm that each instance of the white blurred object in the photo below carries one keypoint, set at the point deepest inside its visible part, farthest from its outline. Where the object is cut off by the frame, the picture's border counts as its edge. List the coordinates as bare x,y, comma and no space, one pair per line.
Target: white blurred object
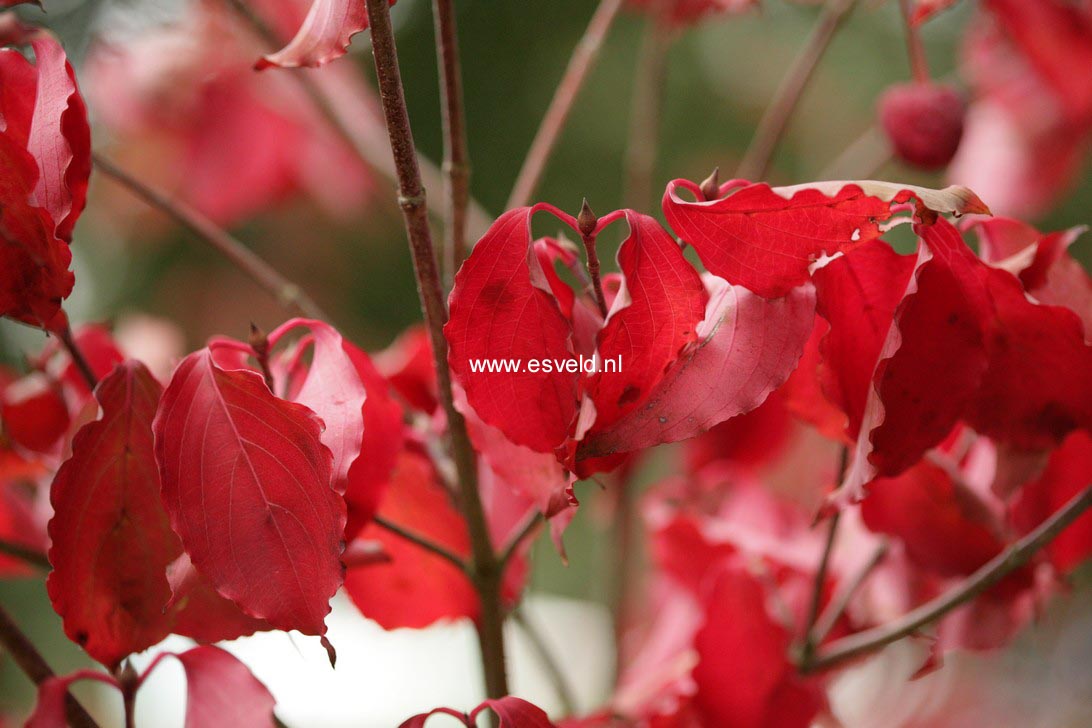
383,677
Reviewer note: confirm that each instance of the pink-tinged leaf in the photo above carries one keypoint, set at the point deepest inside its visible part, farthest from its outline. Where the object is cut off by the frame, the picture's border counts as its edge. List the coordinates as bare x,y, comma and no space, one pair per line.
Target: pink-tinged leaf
654,316
1067,472
502,308
199,612
857,294
50,710
926,9
221,692
930,365
1055,36
246,483
746,347
511,711
417,587
744,677
748,441
944,526
325,35
112,541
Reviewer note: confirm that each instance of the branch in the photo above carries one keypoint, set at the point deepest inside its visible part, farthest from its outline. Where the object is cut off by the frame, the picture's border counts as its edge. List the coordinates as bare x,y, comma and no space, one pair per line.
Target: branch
411,198
362,140
644,124
549,662
524,533
423,542
992,572
30,556
771,128
287,293
78,358
549,130
919,68
807,651
840,602
31,662
456,156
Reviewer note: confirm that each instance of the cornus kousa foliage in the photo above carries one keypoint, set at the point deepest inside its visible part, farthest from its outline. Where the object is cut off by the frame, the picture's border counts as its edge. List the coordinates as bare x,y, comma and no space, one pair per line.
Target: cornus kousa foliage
820,418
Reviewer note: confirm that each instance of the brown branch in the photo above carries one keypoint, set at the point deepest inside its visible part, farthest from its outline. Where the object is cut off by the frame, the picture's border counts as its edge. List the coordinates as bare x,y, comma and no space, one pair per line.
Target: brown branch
30,556
423,542
82,365
756,160
644,120
549,130
355,132
31,662
991,573
840,602
486,573
456,156
287,293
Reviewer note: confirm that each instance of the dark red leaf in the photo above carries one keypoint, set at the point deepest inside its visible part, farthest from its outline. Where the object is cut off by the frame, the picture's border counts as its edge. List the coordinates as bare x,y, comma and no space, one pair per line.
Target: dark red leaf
33,412
246,482
199,612
111,538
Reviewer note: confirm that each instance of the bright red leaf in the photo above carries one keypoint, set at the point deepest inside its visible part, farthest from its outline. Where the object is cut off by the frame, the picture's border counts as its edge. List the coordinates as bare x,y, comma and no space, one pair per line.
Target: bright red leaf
112,596
513,712
246,482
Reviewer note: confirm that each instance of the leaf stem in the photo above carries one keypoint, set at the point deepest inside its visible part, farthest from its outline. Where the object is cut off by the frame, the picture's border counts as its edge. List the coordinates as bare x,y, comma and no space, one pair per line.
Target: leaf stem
816,602
31,662
456,166
841,600
423,542
82,365
287,293
28,555
991,573
771,128
553,122
647,107
915,51
486,572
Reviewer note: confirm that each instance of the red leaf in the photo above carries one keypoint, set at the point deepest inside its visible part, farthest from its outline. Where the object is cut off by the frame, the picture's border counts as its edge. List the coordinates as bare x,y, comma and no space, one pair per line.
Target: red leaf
417,587
759,239
513,712
407,364
857,294
325,35
747,346
50,710
246,482
199,612
111,594
926,9
33,412
744,677
655,315
502,308
221,692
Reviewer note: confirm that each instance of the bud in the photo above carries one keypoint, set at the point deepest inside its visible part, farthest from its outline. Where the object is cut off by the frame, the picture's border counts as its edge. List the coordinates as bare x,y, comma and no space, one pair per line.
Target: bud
923,121
586,220
258,341
710,186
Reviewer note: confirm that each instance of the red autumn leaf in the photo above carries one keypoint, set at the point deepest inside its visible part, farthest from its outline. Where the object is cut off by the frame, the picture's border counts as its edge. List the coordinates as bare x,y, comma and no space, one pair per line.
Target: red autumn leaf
502,308
106,498
325,35
33,412
749,441
1055,36
804,394
50,709
926,9
246,483
407,364
747,346
221,692
744,677
857,294
766,239
417,587
944,526
655,315
1067,472
199,612
512,712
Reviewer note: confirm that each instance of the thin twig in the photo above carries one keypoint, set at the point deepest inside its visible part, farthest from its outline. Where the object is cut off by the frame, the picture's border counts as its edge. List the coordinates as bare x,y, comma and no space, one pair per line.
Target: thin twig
528,529
647,107
549,131
549,663
988,575
31,662
841,600
808,648
82,365
456,156
367,145
919,68
30,556
486,573
756,160
423,542
287,293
